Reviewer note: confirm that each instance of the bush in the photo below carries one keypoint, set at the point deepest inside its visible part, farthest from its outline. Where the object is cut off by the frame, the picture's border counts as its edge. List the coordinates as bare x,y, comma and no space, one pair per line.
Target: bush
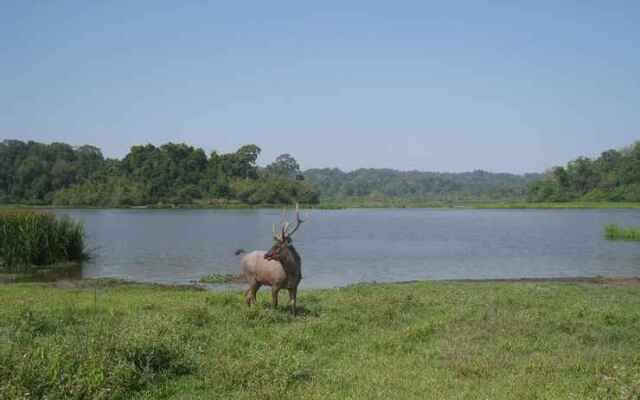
34,238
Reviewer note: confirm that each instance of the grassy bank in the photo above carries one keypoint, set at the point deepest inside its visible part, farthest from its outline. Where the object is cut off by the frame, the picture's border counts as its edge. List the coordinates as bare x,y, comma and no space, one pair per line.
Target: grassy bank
347,204
49,273
614,232
472,340
476,205
31,238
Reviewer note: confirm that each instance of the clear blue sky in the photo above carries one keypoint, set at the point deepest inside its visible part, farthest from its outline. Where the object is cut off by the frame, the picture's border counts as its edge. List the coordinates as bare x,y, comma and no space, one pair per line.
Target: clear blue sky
497,85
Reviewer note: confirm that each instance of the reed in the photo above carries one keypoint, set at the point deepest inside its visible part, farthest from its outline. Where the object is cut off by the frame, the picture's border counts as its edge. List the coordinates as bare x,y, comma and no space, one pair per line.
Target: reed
614,232
31,238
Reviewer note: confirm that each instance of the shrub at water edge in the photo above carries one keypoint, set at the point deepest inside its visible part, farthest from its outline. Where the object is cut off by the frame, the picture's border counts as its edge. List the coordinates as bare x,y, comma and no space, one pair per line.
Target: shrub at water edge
35,238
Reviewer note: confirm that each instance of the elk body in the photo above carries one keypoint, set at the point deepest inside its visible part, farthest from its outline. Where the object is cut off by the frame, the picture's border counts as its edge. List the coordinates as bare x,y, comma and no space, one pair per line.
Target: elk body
280,267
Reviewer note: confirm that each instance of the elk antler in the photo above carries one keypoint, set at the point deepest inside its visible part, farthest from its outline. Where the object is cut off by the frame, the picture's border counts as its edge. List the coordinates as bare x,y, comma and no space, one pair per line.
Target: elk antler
277,236
285,231
299,221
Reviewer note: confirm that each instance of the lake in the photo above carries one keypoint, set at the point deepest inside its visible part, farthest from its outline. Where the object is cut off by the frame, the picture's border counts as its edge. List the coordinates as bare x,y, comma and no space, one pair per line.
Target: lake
342,247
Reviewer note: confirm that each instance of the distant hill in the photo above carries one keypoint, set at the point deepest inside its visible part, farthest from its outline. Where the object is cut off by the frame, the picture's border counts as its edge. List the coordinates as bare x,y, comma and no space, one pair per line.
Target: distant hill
334,184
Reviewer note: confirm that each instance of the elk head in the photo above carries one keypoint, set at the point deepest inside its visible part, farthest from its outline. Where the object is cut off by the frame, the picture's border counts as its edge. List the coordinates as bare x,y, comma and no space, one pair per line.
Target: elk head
283,239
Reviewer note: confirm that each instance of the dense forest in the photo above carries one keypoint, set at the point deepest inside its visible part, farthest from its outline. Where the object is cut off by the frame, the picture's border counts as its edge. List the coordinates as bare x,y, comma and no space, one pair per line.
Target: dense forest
59,174
614,176
178,174
335,184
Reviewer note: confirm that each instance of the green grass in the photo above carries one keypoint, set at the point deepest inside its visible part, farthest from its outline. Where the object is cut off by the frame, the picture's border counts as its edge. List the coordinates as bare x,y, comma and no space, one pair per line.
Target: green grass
428,340
614,232
36,238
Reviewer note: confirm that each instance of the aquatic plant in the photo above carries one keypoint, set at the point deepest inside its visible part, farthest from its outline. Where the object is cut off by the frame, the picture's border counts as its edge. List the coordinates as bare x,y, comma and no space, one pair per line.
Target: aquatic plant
216,278
36,238
221,278
614,232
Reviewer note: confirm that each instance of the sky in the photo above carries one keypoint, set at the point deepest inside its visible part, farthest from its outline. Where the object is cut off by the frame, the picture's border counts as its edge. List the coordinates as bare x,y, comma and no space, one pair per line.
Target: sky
504,86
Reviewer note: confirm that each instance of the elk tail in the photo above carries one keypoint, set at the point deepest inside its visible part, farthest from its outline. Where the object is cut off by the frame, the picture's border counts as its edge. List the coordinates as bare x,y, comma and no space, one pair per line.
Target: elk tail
240,251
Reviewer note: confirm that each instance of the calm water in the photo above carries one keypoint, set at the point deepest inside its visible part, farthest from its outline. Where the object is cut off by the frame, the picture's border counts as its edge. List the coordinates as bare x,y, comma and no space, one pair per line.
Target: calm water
349,246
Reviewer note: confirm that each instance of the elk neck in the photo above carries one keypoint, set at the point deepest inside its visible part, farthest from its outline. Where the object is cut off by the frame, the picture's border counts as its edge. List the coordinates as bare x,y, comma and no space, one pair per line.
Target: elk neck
290,260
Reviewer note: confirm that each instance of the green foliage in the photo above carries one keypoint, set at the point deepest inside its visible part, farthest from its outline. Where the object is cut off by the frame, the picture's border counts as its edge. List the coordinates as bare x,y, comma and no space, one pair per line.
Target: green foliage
274,191
148,175
33,238
32,172
335,184
550,191
433,340
170,173
614,176
284,166
614,232
114,191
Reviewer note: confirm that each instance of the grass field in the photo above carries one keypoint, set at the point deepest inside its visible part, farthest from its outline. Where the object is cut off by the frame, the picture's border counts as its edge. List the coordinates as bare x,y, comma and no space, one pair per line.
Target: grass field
429,340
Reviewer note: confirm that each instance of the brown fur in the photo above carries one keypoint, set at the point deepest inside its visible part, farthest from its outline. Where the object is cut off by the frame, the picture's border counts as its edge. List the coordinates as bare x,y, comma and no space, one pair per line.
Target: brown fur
279,268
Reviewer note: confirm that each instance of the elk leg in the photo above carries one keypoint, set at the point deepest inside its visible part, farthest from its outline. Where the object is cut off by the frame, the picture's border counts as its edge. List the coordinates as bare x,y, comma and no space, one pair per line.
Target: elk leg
274,296
293,293
251,293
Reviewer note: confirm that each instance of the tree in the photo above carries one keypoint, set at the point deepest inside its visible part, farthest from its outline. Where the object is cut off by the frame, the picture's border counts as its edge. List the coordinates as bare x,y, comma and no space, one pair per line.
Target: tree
242,163
171,173
284,166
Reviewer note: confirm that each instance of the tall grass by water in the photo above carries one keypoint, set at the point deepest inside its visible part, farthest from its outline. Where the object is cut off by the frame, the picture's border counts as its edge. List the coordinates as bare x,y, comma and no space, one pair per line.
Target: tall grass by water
615,232
31,238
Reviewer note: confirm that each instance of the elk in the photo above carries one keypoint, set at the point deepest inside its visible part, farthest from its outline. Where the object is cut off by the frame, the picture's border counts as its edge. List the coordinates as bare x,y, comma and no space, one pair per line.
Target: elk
279,267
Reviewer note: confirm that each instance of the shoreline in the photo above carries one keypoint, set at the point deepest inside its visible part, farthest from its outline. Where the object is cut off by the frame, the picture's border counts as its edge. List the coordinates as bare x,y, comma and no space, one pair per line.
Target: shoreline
599,280
66,281
348,205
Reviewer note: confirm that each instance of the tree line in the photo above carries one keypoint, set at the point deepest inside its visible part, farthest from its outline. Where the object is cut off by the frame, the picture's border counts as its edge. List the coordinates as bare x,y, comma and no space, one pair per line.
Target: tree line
613,176
335,184
60,174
